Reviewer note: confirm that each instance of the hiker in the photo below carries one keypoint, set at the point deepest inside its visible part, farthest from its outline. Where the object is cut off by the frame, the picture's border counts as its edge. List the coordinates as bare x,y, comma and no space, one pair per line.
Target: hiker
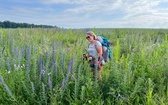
94,54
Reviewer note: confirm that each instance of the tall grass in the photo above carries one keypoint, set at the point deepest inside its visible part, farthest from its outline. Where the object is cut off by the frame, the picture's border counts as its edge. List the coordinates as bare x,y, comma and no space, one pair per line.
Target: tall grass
44,66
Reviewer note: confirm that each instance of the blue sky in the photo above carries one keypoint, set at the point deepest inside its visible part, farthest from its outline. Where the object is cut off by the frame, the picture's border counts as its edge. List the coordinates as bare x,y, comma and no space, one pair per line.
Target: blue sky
88,13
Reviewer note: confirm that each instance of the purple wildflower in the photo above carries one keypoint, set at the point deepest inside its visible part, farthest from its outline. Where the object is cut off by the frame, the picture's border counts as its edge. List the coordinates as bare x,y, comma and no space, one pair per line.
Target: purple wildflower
47,61
47,56
41,66
22,52
70,67
72,64
49,83
63,84
7,88
43,88
16,52
2,80
28,55
8,65
62,60
53,53
32,85
56,69
53,63
14,64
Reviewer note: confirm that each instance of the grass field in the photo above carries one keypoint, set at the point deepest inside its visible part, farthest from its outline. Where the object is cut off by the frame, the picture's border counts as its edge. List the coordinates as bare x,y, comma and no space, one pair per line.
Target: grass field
45,67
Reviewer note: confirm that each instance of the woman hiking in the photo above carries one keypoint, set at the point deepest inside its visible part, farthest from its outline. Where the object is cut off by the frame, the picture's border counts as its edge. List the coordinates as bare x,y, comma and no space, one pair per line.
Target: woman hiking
94,54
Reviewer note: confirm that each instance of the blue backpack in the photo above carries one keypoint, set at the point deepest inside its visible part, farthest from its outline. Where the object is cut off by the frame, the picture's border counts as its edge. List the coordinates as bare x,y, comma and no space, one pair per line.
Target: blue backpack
106,43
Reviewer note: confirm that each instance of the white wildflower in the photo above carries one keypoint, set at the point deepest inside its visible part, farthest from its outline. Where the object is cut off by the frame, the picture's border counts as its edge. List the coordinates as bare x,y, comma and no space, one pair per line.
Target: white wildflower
49,73
89,101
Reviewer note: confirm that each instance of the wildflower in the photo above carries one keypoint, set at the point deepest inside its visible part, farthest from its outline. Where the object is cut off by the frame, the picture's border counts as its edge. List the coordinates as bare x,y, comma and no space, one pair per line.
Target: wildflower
22,66
7,88
8,65
49,73
47,56
2,80
15,66
70,68
53,53
49,83
122,97
32,85
18,67
65,81
8,72
28,55
16,52
41,66
22,52
43,88
63,84
89,101
56,69
62,59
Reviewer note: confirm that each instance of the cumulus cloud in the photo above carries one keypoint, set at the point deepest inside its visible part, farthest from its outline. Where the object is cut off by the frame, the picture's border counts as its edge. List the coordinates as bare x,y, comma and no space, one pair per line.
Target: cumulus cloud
64,1
92,13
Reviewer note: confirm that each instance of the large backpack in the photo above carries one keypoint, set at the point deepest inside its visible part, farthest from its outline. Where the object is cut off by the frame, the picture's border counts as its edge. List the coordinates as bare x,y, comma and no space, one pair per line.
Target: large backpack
105,43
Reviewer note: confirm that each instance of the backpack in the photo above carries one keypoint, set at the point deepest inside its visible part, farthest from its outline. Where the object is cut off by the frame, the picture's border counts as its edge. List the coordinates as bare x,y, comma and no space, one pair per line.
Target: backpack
105,44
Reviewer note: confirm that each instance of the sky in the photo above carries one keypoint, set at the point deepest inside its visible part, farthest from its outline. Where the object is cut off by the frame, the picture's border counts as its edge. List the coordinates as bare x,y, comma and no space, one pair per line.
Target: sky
87,13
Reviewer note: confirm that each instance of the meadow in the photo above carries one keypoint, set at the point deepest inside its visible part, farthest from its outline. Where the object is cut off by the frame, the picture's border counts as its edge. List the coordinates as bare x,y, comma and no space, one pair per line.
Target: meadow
44,67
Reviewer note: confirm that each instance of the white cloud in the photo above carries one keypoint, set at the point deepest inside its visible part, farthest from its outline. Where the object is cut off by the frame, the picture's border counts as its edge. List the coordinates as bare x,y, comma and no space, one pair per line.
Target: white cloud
64,1
96,6
90,13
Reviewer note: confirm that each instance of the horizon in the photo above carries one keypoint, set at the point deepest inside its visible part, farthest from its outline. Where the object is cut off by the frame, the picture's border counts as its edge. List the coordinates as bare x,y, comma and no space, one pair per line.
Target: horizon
82,28
88,14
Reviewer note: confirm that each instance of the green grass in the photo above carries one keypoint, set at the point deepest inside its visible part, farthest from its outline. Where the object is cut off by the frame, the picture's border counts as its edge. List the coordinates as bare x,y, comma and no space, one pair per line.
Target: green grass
44,66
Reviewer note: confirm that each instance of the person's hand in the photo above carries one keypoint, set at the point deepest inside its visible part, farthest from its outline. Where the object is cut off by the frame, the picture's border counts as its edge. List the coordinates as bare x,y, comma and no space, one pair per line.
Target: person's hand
90,58
83,55
100,58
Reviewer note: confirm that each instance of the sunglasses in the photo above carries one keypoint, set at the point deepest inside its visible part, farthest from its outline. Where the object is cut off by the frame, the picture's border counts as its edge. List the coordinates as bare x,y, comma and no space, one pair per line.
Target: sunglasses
88,37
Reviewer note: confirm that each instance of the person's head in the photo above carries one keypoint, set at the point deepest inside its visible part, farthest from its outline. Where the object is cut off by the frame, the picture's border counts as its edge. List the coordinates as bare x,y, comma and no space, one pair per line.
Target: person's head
90,36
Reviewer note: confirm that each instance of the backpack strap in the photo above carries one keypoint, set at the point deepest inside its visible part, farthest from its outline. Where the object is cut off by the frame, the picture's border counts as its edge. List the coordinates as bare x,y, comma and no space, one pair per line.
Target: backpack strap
96,50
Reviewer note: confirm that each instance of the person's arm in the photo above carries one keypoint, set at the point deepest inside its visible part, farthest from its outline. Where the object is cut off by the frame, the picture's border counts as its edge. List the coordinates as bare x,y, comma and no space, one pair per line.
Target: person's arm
99,49
100,52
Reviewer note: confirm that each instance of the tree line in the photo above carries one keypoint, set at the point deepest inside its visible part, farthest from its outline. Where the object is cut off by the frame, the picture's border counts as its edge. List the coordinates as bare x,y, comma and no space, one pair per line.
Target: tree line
8,24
